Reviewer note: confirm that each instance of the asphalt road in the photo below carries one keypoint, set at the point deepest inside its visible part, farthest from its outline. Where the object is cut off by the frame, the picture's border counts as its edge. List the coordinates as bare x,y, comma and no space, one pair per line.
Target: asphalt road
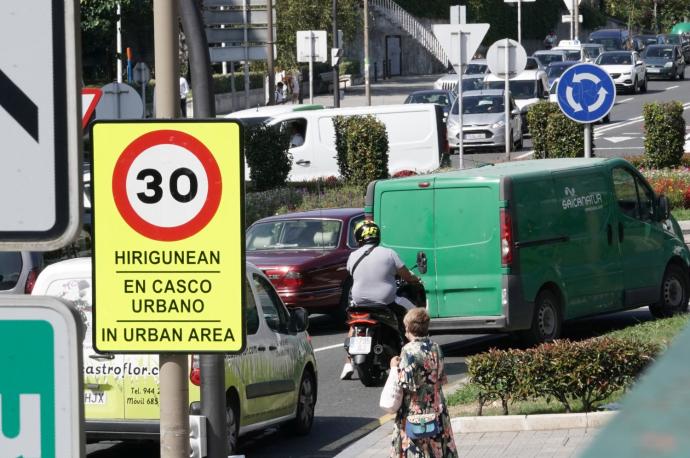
346,410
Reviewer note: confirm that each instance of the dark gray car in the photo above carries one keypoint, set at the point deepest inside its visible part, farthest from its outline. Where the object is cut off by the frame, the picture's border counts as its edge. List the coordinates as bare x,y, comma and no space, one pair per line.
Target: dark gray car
664,61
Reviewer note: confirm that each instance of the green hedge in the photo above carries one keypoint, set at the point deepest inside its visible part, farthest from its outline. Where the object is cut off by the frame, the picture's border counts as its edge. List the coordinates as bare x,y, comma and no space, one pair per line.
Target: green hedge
588,371
664,134
223,83
266,149
553,134
361,149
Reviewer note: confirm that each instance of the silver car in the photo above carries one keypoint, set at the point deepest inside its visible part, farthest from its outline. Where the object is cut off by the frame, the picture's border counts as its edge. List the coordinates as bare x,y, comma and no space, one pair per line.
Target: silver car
484,121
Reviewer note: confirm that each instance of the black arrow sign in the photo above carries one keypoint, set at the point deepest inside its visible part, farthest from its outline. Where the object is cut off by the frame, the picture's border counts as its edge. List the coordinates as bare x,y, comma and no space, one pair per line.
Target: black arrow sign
18,105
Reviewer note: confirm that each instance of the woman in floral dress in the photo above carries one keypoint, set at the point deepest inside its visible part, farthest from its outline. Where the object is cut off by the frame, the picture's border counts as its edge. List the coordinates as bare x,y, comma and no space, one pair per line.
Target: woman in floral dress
421,376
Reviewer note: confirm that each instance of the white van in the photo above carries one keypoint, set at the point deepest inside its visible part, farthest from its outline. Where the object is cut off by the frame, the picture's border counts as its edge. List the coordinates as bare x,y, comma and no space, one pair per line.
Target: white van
416,138
527,88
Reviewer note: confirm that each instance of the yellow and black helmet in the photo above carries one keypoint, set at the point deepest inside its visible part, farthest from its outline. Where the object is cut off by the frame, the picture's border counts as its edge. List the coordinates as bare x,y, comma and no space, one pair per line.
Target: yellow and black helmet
367,232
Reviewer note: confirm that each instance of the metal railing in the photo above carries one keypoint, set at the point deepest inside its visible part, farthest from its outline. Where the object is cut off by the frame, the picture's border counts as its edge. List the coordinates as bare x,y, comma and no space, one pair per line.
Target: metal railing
396,14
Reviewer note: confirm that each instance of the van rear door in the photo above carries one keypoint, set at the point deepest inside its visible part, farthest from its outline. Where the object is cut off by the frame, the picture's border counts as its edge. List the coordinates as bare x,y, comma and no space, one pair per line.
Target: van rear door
405,214
467,249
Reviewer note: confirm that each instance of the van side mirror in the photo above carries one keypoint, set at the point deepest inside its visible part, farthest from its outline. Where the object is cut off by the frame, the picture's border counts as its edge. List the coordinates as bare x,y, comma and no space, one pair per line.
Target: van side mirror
421,262
663,211
515,112
299,319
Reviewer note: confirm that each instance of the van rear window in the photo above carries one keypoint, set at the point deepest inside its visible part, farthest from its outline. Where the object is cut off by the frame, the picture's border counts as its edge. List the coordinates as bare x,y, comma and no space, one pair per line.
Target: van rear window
10,269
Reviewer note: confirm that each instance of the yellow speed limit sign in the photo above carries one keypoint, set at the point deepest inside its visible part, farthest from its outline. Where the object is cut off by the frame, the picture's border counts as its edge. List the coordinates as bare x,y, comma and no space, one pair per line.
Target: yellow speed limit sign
168,223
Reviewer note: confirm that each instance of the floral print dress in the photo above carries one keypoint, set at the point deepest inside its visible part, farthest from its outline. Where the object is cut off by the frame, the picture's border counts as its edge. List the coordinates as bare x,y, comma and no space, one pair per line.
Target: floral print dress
421,376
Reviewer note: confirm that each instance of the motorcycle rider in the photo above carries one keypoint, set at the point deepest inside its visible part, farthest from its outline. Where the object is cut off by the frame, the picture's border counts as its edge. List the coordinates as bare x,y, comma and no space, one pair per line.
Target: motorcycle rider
373,269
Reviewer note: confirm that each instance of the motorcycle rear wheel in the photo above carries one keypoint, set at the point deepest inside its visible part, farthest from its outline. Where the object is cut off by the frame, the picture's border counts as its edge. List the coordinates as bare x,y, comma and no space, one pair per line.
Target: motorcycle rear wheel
371,375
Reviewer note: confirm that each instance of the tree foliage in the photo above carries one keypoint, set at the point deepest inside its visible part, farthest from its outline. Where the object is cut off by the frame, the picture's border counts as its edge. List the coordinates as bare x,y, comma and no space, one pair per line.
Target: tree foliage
640,13
294,15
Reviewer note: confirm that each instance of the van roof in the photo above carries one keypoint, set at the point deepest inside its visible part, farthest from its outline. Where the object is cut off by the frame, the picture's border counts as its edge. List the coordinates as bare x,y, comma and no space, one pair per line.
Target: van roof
515,168
272,110
364,110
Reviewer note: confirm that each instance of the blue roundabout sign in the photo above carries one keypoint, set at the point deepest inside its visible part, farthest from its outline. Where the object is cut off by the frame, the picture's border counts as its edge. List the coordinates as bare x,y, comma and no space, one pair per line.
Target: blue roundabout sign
586,93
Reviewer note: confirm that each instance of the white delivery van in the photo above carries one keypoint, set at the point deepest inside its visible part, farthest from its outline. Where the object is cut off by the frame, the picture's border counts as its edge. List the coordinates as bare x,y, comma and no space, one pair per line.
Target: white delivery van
416,138
257,115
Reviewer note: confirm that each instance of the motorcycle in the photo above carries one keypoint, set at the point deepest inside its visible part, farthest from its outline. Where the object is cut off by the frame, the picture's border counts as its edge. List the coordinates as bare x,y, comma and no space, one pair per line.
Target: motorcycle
378,333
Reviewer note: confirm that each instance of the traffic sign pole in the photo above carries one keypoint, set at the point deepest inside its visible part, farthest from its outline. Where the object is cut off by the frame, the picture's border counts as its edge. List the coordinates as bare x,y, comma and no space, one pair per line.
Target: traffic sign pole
588,139
461,139
506,99
519,21
174,390
311,68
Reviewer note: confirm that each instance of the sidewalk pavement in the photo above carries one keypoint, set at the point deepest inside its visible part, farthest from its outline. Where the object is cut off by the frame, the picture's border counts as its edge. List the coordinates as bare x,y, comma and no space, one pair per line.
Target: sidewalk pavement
514,436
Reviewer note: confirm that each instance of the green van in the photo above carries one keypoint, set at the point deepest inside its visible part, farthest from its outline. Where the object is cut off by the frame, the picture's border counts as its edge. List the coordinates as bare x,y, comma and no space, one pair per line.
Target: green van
523,246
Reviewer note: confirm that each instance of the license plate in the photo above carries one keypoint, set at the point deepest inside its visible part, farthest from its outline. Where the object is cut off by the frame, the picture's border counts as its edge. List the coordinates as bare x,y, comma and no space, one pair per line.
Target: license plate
94,397
474,136
654,70
360,345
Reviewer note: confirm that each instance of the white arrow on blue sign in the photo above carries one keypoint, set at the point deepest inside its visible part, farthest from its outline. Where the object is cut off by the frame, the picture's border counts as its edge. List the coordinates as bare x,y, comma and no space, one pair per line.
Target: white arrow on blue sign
586,93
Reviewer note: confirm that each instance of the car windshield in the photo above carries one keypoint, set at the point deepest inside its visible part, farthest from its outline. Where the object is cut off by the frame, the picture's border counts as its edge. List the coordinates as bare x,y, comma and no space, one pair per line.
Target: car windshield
573,55
441,99
300,234
519,89
472,84
591,51
554,71
618,58
609,44
672,39
481,104
532,64
473,69
659,51
547,59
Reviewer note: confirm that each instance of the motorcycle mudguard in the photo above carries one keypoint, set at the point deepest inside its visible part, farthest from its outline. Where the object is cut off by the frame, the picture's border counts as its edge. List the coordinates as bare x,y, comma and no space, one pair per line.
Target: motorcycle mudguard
358,360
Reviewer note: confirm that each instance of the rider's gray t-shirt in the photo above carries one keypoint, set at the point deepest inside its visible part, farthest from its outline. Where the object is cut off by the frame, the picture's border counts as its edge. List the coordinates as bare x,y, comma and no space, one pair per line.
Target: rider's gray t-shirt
374,278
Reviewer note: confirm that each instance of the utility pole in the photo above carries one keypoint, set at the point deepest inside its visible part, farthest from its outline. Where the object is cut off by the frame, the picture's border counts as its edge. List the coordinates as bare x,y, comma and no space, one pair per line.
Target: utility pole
336,77
119,44
367,82
269,57
519,14
174,389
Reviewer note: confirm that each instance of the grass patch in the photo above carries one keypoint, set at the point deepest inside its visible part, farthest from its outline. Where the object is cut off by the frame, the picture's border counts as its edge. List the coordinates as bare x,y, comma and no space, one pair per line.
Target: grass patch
463,402
681,214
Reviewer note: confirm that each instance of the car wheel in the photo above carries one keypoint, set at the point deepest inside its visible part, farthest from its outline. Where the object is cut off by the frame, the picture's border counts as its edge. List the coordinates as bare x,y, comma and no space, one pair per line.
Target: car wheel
546,321
232,424
306,401
521,141
644,84
635,87
681,74
674,294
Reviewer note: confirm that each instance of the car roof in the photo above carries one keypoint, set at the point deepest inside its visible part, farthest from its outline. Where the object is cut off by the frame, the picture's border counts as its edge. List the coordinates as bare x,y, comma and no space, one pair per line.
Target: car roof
430,91
616,52
481,92
525,75
478,61
542,52
335,213
565,63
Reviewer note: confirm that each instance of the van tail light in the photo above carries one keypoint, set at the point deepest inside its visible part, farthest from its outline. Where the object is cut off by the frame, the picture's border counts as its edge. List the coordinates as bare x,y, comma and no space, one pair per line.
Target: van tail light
31,280
195,371
506,238
283,277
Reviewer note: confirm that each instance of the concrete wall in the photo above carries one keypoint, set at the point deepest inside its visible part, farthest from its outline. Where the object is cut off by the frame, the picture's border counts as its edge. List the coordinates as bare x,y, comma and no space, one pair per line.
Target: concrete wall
415,60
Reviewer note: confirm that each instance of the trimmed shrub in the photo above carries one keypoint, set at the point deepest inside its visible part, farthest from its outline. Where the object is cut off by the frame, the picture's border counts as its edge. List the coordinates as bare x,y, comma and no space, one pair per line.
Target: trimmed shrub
362,149
565,137
223,83
267,151
588,371
537,120
664,133
261,204
349,67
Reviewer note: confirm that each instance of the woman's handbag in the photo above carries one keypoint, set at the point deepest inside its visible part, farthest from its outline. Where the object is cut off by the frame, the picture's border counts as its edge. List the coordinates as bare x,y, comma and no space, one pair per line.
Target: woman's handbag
423,425
392,394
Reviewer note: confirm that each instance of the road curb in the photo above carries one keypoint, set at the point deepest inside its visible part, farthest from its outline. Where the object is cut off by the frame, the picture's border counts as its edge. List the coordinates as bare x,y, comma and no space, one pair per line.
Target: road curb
530,422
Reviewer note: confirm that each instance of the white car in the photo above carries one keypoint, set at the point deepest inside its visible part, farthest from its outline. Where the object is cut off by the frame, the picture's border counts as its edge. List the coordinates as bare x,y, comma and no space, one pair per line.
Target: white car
627,69
449,81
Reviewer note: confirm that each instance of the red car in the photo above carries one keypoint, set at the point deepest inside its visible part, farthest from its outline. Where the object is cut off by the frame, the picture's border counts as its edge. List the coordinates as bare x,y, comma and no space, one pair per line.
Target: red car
304,255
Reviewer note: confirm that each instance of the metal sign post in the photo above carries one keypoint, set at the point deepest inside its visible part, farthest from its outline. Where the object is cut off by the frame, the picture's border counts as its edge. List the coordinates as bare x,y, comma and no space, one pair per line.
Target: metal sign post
461,41
586,94
506,58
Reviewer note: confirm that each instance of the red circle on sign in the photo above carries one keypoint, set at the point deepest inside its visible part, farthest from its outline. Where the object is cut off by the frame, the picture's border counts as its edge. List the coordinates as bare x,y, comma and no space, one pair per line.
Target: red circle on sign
129,214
